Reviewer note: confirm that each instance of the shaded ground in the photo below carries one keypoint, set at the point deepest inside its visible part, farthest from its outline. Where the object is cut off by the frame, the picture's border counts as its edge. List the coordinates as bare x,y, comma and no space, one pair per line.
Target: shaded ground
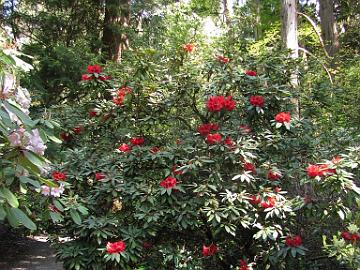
27,254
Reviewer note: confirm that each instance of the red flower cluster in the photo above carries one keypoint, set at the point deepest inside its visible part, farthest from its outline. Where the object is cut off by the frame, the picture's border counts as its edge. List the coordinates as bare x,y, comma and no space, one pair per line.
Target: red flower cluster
354,237
168,182
250,73
137,141
205,129
245,129
93,113
99,176
116,247
213,138
270,202
294,241
189,47
86,77
283,117
257,101
321,170
217,103
124,148
273,176
222,59
243,265
249,167
175,170
121,94
93,69
58,176
65,136
77,130
229,142
154,150
210,250
254,199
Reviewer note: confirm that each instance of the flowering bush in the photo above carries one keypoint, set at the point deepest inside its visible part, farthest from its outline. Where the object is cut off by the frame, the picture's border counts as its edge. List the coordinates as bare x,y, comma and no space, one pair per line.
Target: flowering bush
188,176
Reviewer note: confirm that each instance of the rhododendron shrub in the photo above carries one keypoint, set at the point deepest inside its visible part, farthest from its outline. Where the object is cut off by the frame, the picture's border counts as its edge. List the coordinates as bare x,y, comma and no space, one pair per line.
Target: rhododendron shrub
184,175
24,170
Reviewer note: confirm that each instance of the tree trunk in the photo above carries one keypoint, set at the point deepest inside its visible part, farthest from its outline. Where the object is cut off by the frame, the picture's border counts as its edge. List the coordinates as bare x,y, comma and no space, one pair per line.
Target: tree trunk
328,26
258,28
115,39
290,41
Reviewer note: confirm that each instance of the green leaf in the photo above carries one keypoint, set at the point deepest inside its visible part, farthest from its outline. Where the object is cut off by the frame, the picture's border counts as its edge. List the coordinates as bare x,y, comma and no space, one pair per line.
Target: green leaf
75,216
2,212
15,109
22,218
25,180
34,159
56,217
10,197
58,205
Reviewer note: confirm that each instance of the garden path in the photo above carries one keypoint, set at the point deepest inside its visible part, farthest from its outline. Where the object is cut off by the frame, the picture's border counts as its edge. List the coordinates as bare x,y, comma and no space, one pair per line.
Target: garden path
27,254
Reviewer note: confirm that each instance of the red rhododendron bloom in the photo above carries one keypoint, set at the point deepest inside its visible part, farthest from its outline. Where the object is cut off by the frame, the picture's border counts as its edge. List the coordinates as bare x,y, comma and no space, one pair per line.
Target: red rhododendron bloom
65,136
210,250
283,117
118,100
206,128
188,47
257,101
124,148
175,170
154,150
245,129
222,59
104,78
93,69
272,176
99,176
250,73
147,245
319,170
215,103
243,265
77,130
125,90
229,103
58,176
137,141
213,138
270,202
86,77
229,142
254,199
93,113
249,167
116,247
168,182
350,236
346,236
293,241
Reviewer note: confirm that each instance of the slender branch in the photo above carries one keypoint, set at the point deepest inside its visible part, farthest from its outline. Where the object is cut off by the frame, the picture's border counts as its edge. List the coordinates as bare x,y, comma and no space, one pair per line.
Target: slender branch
313,24
323,65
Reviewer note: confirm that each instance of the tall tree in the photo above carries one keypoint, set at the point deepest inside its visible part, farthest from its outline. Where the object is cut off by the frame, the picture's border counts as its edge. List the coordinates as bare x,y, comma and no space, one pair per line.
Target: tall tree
290,39
116,22
328,26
